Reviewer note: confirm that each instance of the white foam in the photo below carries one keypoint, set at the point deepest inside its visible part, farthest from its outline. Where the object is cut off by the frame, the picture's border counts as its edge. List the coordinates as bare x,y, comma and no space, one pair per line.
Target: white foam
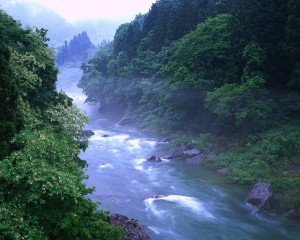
165,160
134,181
222,194
114,150
150,169
135,143
150,143
168,232
107,165
188,202
155,230
139,161
98,136
120,137
138,164
151,206
139,168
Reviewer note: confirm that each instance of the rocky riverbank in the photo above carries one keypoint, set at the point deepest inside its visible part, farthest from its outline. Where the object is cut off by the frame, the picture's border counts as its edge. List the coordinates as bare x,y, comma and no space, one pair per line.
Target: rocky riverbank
133,229
261,195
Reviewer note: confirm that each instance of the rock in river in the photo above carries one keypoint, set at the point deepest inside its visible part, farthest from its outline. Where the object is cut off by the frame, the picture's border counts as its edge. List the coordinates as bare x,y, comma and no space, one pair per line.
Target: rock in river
261,196
223,171
177,153
183,152
88,133
158,196
192,152
133,229
195,160
154,159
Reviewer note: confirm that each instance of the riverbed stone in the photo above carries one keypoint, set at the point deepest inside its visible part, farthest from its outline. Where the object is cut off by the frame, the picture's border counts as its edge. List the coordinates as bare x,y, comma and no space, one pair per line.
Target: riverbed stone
223,171
195,160
154,159
261,196
192,152
88,133
158,196
177,153
133,229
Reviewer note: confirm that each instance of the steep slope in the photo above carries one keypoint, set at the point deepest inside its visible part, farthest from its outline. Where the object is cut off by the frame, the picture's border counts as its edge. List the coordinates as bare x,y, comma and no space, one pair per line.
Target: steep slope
42,194
222,73
59,30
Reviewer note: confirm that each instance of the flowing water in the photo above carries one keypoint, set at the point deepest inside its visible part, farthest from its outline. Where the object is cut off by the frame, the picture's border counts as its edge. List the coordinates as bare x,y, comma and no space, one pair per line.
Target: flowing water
198,204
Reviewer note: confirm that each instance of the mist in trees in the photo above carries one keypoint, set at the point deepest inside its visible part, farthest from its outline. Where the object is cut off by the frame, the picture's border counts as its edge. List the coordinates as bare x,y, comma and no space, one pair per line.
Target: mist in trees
77,50
224,71
42,193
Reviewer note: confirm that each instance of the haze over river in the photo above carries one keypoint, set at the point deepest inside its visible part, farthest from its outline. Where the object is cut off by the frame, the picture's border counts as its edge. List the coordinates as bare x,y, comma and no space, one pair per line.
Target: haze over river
199,204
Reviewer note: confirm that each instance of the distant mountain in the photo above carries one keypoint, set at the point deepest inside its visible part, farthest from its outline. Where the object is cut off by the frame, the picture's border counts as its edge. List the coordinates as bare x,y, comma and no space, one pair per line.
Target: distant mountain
76,51
98,29
32,14
59,30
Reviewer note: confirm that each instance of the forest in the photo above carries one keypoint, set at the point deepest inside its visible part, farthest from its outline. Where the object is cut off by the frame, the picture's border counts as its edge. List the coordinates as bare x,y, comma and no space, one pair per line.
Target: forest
221,73
42,190
219,76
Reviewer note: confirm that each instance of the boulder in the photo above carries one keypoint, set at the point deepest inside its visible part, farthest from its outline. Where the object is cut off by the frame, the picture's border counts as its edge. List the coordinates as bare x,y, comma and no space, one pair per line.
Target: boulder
177,153
88,133
294,214
125,121
105,135
154,159
192,152
133,229
211,157
195,160
261,196
158,196
223,171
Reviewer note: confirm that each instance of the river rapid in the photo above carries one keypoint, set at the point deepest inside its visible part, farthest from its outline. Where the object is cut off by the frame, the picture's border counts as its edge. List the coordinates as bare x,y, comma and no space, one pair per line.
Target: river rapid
198,204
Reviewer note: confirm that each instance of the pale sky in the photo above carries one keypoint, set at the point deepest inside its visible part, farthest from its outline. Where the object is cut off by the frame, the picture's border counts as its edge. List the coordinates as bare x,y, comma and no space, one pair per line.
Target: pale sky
74,10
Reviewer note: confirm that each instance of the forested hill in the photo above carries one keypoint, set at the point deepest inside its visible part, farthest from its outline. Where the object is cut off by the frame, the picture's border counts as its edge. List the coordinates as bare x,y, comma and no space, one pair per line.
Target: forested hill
224,73
31,13
42,194
76,51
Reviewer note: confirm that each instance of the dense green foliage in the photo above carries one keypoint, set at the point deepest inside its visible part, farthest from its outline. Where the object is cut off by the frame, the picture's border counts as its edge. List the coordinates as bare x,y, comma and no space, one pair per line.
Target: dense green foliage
270,156
42,194
214,69
77,50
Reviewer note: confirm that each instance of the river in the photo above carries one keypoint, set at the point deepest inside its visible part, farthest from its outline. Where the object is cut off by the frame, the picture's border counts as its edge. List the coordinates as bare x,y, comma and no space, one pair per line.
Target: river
199,204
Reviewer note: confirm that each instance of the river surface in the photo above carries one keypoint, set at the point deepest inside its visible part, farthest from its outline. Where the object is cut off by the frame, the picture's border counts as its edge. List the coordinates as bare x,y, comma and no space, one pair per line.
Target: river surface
199,204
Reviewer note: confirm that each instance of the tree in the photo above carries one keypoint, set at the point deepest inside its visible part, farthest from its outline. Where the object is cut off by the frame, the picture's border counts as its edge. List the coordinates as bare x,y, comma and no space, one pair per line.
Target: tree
42,194
76,50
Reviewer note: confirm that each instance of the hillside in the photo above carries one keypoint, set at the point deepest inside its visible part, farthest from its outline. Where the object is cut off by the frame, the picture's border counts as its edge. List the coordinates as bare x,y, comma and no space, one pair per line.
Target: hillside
42,193
224,74
59,30
77,51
